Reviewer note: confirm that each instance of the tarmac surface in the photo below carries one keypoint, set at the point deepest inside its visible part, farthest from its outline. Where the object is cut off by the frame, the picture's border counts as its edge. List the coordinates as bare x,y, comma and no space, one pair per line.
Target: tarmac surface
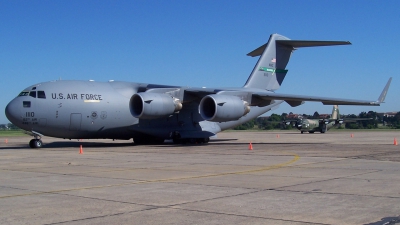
288,178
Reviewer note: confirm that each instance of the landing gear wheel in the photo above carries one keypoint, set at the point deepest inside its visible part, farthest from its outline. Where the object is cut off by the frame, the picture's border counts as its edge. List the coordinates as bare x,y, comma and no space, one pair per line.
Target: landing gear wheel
203,140
35,143
192,141
38,143
31,143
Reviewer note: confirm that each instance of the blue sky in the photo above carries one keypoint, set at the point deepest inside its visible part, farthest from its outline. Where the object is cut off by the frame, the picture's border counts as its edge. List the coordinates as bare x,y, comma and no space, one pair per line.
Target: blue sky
202,43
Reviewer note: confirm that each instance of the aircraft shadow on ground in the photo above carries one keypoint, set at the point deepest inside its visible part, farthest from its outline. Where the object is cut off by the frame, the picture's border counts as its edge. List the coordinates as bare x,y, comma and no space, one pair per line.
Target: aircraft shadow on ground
386,221
91,144
15,147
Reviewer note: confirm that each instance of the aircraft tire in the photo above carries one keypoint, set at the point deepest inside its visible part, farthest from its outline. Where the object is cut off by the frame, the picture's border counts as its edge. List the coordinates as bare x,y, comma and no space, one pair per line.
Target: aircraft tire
203,140
200,140
37,143
31,143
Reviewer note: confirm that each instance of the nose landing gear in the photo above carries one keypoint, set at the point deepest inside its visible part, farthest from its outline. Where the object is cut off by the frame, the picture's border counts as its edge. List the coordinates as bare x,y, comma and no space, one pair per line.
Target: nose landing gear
36,143
176,138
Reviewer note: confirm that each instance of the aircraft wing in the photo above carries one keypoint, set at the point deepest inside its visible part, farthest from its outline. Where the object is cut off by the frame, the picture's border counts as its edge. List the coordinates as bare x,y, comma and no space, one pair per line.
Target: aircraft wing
262,98
355,119
345,120
295,100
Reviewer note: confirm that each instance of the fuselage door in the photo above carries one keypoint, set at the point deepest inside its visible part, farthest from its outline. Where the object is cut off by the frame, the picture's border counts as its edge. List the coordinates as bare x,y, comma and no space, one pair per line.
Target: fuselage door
76,119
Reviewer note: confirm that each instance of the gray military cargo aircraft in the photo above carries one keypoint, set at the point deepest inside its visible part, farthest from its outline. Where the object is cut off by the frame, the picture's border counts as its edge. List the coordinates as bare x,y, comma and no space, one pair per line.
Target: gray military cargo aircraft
150,113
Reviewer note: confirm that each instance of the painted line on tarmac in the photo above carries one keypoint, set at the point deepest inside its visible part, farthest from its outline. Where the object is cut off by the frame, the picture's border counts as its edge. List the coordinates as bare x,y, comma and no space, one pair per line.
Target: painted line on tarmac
277,166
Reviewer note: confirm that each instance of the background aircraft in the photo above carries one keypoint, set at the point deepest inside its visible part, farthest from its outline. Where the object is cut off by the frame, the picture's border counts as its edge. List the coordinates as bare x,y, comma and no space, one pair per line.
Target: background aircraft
321,125
151,113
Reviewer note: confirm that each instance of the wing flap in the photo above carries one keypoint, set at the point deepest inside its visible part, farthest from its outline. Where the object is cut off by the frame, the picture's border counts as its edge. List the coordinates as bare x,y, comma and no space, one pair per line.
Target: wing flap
296,100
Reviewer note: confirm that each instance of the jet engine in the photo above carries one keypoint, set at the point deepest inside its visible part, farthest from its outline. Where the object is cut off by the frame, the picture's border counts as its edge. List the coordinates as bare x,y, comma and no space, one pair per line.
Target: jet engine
153,105
222,108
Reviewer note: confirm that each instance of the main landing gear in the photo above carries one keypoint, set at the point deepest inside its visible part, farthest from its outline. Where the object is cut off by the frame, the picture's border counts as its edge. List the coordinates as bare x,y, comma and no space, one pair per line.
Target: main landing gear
191,140
36,143
176,138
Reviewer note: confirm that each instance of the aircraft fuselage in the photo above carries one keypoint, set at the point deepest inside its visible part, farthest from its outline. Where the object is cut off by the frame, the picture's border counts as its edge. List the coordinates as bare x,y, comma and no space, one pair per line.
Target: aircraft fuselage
89,110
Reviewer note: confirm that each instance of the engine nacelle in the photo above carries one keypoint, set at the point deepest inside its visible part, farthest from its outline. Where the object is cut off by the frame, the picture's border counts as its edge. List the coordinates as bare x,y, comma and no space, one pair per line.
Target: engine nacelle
153,105
222,108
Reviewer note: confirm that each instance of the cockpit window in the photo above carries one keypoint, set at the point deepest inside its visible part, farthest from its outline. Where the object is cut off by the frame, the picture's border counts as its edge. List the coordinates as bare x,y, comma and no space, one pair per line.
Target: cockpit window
24,93
32,94
41,94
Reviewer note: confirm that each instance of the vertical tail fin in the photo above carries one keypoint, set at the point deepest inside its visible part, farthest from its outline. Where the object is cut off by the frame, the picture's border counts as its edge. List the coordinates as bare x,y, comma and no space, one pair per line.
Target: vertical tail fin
335,113
270,69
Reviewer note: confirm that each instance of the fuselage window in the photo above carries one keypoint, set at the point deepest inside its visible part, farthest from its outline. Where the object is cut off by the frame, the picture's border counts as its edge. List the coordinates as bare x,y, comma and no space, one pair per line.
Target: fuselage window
24,93
41,94
26,104
32,94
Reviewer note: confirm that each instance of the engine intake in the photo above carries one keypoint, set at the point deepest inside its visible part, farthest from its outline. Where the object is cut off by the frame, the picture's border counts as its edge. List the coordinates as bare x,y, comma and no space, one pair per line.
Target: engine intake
153,105
222,108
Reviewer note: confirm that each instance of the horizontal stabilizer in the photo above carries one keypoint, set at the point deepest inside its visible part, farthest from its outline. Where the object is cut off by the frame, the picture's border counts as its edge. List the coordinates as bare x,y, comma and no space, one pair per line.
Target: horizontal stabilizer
298,44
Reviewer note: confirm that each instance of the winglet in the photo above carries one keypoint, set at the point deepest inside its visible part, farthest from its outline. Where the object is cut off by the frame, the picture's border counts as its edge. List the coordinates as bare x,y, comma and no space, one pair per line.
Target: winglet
382,97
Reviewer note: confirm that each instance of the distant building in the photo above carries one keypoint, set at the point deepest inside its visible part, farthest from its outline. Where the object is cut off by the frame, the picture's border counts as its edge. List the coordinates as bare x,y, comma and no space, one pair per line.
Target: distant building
387,114
4,127
293,116
324,116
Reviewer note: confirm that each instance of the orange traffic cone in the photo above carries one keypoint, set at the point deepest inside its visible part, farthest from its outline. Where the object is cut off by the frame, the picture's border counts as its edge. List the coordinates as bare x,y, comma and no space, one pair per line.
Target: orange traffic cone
351,135
395,141
80,150
250,146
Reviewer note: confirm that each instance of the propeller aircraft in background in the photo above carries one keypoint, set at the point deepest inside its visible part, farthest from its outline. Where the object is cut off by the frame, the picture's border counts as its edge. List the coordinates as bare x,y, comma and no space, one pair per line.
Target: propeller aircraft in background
321,125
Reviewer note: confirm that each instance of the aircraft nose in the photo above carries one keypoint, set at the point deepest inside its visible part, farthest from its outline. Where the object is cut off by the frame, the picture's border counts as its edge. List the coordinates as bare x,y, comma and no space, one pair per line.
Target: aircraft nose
13,112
